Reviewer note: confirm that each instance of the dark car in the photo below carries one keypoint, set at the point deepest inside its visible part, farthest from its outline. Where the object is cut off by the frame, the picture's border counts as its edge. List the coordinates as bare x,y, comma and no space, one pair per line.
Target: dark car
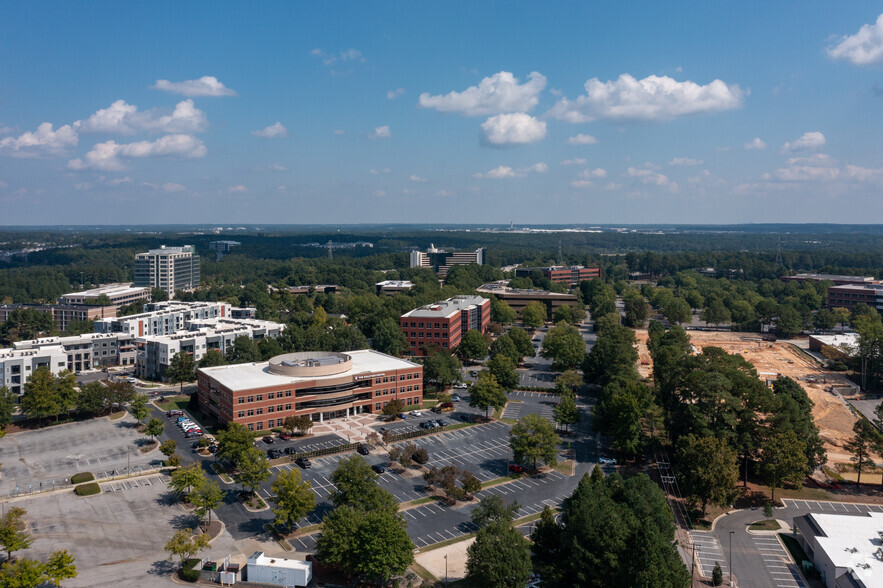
382,430
289,450
192,434
364,449
378,468
274,453
426,425
175,412
441,422
514,467
303,462
212,448
268,440
195,444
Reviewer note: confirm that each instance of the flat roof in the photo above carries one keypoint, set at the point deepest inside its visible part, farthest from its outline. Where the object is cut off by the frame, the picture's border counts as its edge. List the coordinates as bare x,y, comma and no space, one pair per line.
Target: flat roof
249,376
858,287
851,542
395,283
108,289
832,277
259,559
21,353
497,288
446,308
849,340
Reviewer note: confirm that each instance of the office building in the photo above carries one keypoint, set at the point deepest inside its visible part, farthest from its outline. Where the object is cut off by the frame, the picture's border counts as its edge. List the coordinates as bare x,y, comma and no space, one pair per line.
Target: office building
393,287
168,268
118,294
442,261
569,276
17,365
443,324
222,248
846,550
848,295
62,314
837,279
845,342
518,298
320,384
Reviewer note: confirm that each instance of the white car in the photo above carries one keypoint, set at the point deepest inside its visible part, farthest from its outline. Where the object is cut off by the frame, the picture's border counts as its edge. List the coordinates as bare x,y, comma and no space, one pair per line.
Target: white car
416,413
460,386
607,460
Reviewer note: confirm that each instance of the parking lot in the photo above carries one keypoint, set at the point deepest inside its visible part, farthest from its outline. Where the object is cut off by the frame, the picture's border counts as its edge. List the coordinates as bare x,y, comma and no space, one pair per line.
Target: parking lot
39,459
524,403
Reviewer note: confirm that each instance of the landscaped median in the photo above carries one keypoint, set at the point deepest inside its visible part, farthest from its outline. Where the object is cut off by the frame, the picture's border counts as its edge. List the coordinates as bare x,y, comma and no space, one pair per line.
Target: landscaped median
88,489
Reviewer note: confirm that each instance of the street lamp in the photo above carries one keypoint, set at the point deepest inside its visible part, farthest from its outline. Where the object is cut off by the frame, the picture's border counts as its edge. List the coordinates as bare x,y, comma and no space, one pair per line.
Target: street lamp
446,570
731,557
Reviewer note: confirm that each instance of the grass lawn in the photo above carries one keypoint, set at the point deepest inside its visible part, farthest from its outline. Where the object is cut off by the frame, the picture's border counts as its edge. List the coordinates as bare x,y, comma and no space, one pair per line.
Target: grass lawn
173,402
116,415
766,525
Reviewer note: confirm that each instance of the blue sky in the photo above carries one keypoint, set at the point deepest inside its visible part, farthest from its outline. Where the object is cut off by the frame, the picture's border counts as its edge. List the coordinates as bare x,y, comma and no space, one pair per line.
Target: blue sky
626,112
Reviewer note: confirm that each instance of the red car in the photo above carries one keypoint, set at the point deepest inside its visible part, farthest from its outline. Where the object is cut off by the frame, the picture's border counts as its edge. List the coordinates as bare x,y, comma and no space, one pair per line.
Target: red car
285,436
514,467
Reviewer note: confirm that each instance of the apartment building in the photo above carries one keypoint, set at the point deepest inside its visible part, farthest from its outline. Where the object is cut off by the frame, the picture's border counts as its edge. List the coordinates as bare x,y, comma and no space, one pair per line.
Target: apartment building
169,268
119,295
320,384
393,287
88,351
566,275
443,324
163,318
442,261
17,365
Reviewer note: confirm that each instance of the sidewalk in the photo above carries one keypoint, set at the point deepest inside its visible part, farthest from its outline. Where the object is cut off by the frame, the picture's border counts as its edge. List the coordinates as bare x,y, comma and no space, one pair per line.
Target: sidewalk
353,429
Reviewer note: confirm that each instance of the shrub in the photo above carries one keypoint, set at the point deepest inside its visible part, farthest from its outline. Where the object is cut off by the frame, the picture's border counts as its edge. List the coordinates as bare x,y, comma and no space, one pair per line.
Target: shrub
717,575
188,571
421,455
87,489
174,460
82,477
768,510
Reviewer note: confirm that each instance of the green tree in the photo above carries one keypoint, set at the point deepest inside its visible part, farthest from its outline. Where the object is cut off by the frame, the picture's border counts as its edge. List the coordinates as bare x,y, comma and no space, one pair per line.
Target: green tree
60,567
22,573
181,369
637,311
388,338
393,407
185,545
13,536
253,468
212,358
717,575
566,411
860,446
788,324
707,470
565,346
233,441
500,556
138,407
782,460
523,344
504,345
502,313
502,368
41,398
487,393
207,496
569,381
154,428
492,509
244,350
186,479
442,368
533,437
793,411
534,314
621,406
293,496
546,538
158,295
824,320
472,346
678,311
7,405
168,447
93,398
715,313
356,486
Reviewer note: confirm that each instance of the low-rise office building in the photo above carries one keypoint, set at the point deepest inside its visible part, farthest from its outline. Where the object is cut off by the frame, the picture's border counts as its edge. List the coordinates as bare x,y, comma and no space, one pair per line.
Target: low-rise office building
846,550
118,294
17,365
838,280
443,324
566,275
393,287
848,295
322,385
442,261
518,298
222,248
62,314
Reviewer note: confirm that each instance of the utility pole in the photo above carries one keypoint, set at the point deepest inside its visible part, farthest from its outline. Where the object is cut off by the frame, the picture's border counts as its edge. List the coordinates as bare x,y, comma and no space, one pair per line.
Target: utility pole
446,570
731,557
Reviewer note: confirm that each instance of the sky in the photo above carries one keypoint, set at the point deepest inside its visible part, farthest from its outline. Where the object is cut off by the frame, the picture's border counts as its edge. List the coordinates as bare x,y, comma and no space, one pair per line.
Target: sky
439,112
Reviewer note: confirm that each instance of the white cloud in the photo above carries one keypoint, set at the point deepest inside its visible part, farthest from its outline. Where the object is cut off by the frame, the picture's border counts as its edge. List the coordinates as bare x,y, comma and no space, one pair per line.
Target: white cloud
582,139
574,161
512,129
416,178
589,174
125,119
6,130
173,187
237,188
650,176
498,173
382,132
863,174
652,98
277,167
755,143
582,183
204,86
106,156
82,186
393,94
539,168
43,141
408,191
864,47
379,192
343,56
498,93
339,132
808,142
685,161
272,131
118,181
375,172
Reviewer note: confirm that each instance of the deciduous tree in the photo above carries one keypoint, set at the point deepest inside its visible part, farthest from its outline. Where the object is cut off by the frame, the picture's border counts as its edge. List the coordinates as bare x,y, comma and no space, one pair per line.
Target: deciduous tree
487,393
185,545
782,460
60,567
293,496
533,314
533,437
205,498
253,468
707,470
472,346
181,369
565,346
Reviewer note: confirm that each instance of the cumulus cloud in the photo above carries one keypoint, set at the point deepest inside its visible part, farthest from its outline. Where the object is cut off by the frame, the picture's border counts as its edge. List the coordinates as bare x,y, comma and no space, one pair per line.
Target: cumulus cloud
685,161
574,161
42,142
416,178
504,172
498,93
649,176
342,56
379,192
818,167
172,187
272,131
237,188
652,98
586,178
393,94
582,139
539,168
382,132
125,119
106,156
755,143
864,47
808,142
204,86
118,181
512,129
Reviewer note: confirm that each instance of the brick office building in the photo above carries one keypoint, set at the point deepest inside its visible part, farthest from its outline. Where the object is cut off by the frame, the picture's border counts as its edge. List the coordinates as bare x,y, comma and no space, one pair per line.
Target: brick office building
570,275
320,384
848,295
444,323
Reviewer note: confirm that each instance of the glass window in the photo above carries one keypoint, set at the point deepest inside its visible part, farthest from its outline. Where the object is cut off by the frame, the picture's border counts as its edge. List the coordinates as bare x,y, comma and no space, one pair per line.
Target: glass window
250,427
260,397
260,426
250,412
240,414
260,411
271,395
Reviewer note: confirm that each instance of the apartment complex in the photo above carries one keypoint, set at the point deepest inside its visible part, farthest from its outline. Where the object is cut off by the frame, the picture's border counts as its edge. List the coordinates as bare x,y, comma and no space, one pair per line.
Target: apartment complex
118,294
837,279
163,318
848,295
442,261
518,298
88,351
62,314
569,275
444,323
846,550
322,385
168,268
17,365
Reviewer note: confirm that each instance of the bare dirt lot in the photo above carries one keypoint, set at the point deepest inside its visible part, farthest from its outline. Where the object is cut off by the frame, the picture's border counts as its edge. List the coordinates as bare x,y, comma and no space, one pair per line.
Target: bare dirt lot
831,413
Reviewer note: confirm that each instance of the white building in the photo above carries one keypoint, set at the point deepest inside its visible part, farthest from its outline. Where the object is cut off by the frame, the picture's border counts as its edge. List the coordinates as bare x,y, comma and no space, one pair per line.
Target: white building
90,350
17,365
169,268
163,318
847,550
278,570
119,294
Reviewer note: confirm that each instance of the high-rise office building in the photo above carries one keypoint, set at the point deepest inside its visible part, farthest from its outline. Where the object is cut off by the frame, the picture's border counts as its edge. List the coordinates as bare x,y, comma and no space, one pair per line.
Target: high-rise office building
442,261
169,268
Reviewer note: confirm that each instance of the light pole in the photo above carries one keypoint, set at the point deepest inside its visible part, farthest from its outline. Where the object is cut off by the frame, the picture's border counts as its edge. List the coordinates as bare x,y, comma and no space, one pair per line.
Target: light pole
446,570
731,557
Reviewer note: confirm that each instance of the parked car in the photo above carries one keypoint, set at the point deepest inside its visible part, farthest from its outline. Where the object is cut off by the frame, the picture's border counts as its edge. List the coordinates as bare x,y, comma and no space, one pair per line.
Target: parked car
403,416
175,412
212,448
456,397
441,422
289,450
416,413
460,386
515,468
446,407
607,460
378,468
426,425
192,434
364,449
274,453
182,418
473,373
267,439
382,430
303,462
285,436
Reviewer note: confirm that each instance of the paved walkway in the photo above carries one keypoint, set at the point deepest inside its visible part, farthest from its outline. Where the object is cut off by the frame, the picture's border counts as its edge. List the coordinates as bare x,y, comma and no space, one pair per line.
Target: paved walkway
353,429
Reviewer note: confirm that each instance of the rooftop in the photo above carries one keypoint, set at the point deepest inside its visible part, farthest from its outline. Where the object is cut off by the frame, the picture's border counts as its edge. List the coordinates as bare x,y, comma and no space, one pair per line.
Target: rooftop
108,289
249,376
853,542
259,559
165,250
446,308
831,277
20,353
502,288
395,284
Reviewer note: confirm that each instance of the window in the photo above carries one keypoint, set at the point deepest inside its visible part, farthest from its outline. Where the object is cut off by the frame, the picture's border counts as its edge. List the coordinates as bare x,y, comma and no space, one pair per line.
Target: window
240,414
409,376
251,398
271,409
385,379
420,325
250,427
287,407
416,387
260,411
410,401
377,381
271,395
402,390
377,406
279,422
288,393
260,397
250,412
409,389
278,408
260,426
444,345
